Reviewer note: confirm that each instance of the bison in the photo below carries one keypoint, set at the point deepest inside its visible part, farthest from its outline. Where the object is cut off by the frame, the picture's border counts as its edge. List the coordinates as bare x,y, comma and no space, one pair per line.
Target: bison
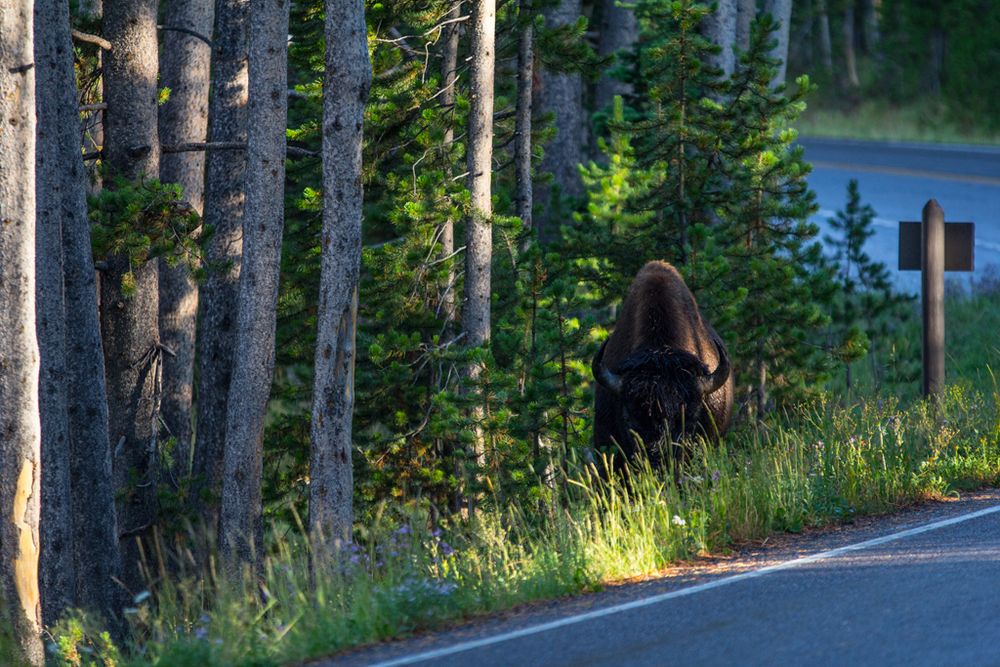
663,374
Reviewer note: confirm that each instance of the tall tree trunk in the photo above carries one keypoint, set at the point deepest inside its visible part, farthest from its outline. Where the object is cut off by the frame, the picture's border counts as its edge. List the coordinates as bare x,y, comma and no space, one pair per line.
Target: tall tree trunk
619,32
562,96
478,227
241,530
746,13
345,89
720,28
184,65
871,25
851,73
80,482
802,43
781,11
224,201
449,74
447,297
937,46
20,444
825,46
93,134
58,174
129,321
761,393
522,129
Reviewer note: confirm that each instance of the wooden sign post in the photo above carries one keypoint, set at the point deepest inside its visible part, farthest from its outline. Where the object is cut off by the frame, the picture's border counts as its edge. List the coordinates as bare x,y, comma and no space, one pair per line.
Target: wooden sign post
933,247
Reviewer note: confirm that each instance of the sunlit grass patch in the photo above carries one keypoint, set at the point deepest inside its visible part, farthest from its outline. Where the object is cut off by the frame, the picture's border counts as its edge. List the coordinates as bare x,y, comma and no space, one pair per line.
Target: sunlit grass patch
823,463
880,120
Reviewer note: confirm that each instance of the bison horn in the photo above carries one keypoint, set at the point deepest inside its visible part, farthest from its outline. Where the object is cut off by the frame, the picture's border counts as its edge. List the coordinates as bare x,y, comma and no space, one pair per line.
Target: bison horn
711,382
605,377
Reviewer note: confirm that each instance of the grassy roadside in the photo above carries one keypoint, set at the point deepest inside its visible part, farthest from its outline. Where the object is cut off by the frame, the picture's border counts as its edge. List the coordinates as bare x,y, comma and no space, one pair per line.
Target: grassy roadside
814,466
877,120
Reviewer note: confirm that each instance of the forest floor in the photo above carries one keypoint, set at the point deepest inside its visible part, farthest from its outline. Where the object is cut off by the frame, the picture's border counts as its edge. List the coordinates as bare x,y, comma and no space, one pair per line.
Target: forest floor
879,120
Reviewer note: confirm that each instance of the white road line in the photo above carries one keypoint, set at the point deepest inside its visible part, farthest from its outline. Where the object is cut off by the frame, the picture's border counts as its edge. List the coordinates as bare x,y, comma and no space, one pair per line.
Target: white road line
691,590
826,213
885,223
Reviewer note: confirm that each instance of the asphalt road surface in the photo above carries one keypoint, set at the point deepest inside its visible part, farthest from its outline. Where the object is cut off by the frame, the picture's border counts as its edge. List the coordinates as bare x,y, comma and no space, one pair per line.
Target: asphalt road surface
920,588
897,180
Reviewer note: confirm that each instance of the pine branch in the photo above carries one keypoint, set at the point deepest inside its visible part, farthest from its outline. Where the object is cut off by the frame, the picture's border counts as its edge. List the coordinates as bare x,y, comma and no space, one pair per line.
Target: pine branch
87,38
186,31
292,151
193,147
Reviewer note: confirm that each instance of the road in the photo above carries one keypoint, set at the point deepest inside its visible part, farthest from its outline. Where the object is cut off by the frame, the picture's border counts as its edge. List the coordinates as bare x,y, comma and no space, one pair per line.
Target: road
920,588
898,179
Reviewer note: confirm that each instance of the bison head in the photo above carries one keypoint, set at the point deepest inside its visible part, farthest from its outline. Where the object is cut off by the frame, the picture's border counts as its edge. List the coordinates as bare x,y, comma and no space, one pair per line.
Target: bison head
661,392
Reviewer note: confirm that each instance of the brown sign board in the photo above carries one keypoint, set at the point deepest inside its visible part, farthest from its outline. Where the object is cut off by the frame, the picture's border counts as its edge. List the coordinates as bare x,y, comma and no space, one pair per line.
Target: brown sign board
959,246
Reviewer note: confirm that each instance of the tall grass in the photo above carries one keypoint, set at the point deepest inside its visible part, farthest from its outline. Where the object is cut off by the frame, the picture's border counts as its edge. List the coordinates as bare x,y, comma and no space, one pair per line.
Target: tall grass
879,120
807,468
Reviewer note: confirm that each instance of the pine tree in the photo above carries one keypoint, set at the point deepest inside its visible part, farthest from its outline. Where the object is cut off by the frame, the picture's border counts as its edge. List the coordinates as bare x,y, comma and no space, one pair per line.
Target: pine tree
241,526
184,70
20,455
866,301
772,294
717,187
129,288
224,200
345,91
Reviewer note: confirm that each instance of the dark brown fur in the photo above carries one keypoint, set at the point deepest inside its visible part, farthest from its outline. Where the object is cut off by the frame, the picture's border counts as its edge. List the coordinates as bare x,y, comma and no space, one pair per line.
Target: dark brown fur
659,345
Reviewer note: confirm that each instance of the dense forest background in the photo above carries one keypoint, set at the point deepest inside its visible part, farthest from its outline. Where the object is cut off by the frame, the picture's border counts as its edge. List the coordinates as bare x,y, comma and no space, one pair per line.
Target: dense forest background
926,61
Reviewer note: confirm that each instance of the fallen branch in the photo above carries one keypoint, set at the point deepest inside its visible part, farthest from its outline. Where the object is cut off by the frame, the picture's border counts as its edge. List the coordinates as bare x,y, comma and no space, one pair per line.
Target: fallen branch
204,146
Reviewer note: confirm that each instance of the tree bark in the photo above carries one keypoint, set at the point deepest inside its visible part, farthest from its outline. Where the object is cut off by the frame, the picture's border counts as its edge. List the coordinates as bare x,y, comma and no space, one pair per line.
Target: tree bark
20,444
241,530
562,96
224,202
746,13
851,73
781,11
449,74
87,559
129,322
522,129
345,90
184,66
619,32
58,173
478,227
720,28
825,46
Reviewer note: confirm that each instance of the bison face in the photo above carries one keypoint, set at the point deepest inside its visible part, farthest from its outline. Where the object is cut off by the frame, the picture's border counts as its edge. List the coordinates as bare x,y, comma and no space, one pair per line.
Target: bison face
661,392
